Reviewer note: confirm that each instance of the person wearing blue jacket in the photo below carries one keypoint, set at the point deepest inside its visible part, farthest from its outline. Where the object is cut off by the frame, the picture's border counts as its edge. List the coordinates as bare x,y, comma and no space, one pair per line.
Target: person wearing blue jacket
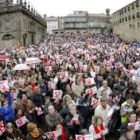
6,109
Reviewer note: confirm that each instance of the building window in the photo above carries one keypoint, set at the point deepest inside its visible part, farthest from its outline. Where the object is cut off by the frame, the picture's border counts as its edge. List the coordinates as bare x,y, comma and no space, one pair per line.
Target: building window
128,8
137,4
122,19
138,14
125,10
129,17
138,24
122,11
125,18
133,16
132,6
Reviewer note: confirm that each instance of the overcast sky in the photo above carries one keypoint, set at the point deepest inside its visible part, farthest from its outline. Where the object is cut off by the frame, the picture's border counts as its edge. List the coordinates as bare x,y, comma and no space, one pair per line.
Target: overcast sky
65,7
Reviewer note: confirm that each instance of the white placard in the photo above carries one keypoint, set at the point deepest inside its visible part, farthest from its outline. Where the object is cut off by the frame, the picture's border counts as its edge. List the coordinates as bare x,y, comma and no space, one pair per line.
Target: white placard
20,122
89,81
91,91
136,125
84,137
75,118
51,85
54,134
57,94
2,128
48,68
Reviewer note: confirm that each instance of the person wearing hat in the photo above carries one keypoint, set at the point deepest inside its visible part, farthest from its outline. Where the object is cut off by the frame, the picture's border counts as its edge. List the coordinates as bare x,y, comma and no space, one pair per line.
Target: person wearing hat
103,109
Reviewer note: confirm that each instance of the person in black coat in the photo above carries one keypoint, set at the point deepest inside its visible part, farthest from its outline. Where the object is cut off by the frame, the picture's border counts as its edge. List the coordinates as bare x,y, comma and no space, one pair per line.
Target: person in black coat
37,97
84,108
19,114
73,127
137,95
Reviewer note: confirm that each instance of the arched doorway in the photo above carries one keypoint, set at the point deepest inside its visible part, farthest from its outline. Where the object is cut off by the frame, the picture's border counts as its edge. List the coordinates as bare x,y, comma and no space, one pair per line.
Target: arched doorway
8,40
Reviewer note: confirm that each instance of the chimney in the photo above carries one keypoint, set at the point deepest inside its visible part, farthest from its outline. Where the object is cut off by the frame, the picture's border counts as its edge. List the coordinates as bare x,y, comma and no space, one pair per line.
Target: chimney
45,17
108,12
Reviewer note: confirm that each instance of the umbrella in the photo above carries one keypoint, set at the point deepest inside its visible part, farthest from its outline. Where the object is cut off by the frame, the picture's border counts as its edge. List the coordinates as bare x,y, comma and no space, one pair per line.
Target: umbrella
3,57
21,67
32,60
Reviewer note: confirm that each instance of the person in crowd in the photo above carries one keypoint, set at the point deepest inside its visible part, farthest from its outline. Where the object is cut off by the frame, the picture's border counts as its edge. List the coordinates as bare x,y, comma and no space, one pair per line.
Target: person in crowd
11,133
27,89
37,98
27,106
73,126
52,118
102,110
34,133
129,134
18,115
77,88
103,87
132,118
127,107
6,109
98,128
84,108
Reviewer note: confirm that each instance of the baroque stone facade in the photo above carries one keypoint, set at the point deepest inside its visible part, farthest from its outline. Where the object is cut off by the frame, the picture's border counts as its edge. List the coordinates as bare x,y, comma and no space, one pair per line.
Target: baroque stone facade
19,23
126,21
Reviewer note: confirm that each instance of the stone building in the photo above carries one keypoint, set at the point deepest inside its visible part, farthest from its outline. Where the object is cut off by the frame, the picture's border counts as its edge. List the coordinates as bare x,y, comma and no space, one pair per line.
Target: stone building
126,21
82,21
19,23
52,24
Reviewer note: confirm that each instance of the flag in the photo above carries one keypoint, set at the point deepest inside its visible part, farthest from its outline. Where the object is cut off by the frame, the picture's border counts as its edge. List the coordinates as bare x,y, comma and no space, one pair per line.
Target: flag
19,46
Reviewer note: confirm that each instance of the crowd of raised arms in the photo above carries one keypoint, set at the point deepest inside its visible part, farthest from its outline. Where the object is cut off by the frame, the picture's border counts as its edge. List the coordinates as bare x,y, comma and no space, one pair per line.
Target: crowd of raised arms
71,87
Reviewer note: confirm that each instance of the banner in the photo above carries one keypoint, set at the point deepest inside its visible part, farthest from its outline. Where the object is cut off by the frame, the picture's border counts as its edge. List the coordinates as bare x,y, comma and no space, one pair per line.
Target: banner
2,128
57,94
21,121
54,134
84,137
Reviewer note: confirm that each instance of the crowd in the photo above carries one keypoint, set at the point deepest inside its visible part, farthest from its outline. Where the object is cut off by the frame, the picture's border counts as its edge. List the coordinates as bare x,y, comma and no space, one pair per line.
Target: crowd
84,87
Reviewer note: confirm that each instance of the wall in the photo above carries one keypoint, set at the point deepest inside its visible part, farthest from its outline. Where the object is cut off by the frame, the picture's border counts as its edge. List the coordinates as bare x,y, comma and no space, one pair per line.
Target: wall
130,29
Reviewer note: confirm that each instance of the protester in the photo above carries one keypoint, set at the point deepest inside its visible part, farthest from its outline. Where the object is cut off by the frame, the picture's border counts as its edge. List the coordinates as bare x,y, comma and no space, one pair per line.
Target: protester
98,128
34,132
129,134
12,133
73,76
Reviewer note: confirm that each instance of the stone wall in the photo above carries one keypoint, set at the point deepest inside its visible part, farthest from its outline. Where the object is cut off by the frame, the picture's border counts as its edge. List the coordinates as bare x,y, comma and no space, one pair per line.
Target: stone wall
128,29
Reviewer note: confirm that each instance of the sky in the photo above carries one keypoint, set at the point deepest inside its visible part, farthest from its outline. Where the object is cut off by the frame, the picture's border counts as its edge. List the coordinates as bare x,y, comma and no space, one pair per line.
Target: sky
65,7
